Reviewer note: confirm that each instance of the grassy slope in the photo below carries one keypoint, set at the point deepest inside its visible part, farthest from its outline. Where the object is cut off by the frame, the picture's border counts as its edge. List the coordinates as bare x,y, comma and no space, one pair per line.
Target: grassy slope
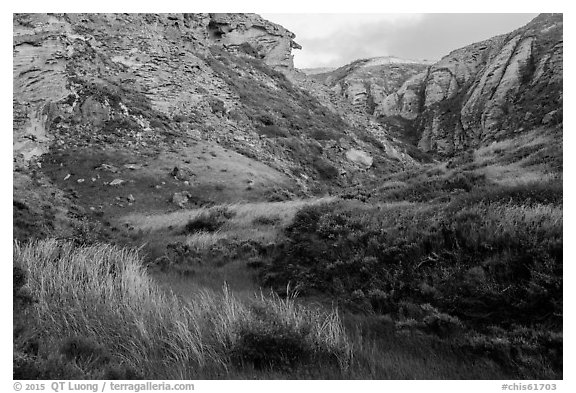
99,315
456,238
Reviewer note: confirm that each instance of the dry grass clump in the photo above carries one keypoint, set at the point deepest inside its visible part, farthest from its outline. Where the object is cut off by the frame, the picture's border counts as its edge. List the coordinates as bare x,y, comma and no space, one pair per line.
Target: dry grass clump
103,294
205,226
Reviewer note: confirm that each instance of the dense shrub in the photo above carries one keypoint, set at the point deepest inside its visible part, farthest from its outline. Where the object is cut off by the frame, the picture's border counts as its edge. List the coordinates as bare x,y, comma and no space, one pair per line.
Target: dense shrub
325,170
209,221
482,262
430,186
84,350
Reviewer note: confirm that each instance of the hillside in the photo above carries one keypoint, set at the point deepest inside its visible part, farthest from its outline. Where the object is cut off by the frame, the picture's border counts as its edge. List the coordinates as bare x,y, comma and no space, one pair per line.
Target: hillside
484,92
204,93
188,205
481,93
366,83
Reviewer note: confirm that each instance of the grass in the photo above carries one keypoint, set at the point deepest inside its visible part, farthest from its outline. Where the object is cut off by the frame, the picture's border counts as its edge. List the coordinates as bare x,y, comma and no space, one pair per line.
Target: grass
483,262
97,314
103,294
467,285
238,226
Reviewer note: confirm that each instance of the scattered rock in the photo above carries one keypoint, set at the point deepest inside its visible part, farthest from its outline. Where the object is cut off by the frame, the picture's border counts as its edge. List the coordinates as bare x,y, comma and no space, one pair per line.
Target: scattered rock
549,117
132,166
131,198
80,180
107,167
67,177
117,182
181,198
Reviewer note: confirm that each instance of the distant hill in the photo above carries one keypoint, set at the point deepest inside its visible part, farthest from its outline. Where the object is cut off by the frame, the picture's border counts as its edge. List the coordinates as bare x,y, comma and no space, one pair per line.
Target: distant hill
366,82
483,92
318,70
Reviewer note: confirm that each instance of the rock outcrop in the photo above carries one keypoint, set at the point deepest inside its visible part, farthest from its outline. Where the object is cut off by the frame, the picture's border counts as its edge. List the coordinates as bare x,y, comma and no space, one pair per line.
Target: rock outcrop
484,91
367,83
163,82
251,33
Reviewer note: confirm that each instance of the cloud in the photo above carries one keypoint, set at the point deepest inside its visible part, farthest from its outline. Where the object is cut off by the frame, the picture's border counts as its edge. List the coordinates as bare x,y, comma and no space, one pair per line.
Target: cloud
337,39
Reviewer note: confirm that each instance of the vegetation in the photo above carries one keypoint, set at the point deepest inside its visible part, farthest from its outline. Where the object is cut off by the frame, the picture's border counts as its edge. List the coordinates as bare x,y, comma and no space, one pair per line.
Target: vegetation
485,266
447,262
209,221
146,246
98,314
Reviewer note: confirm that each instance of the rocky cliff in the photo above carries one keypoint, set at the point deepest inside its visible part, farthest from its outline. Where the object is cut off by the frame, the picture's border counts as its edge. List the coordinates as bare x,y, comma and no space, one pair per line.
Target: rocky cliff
134,79
484,91
107,105
366,83
60,60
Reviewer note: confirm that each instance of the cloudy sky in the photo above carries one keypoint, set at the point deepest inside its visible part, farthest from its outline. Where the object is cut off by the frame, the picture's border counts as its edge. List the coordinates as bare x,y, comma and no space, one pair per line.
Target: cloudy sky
337,39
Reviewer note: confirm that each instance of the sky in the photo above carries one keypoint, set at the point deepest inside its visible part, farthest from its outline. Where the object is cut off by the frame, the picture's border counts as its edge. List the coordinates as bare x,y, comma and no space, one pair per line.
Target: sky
333,40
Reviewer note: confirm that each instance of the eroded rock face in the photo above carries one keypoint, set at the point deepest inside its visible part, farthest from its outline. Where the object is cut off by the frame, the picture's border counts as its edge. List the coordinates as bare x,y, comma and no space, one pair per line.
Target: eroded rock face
486,90
39,80
62,63
405,102
271,42
150,83
368,83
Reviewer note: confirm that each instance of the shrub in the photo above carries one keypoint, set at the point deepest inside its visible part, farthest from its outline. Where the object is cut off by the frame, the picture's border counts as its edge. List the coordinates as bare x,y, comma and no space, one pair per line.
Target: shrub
265,343
209,221
485,263
326,171
84,350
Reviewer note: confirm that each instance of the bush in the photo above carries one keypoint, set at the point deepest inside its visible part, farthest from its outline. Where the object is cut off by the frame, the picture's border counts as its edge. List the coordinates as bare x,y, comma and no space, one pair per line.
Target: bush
209,221
466,260
326,171
267,344
84,350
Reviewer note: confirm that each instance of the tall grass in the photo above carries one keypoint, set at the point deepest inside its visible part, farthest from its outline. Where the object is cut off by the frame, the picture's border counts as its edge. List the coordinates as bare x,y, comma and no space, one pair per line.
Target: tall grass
102,293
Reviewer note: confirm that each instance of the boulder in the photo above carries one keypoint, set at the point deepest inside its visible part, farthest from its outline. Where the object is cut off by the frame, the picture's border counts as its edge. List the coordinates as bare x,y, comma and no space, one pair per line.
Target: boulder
359,157
180,199
117,182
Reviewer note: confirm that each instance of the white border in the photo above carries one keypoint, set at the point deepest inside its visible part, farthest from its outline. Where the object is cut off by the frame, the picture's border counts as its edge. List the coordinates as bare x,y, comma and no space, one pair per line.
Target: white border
302,6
